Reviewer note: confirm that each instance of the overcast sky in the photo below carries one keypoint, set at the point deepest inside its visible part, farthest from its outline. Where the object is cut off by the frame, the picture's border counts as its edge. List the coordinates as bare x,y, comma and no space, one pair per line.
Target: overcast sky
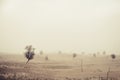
66,25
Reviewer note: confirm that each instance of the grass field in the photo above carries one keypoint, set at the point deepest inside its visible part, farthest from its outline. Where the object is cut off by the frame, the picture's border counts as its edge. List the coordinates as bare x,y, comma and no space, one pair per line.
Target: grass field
59,67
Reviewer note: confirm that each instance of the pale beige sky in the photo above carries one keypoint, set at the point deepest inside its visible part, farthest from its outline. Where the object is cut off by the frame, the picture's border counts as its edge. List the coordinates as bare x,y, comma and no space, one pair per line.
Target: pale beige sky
66,25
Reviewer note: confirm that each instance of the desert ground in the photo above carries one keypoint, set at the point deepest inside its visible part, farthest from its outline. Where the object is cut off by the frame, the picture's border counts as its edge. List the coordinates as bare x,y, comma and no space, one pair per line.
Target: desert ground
59,67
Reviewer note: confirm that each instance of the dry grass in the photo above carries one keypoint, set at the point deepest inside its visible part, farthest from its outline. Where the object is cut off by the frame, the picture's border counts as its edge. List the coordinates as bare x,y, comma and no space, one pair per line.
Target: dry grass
59,67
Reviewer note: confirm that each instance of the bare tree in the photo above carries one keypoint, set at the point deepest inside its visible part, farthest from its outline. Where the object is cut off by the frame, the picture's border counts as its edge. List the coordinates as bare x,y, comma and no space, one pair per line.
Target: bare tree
29,54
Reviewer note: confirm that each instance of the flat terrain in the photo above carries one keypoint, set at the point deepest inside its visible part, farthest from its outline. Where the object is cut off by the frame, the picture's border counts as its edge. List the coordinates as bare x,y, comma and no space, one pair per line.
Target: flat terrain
59,67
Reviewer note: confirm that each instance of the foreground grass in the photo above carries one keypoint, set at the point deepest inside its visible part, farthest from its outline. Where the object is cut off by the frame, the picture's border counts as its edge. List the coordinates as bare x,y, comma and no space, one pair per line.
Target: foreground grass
58,69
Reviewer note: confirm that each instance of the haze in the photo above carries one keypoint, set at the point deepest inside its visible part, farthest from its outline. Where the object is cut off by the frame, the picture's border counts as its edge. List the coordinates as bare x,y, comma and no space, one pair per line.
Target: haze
66,25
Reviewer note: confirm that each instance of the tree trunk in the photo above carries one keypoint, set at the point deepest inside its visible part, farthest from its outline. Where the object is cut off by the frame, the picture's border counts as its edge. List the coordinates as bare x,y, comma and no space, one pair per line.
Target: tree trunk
27,61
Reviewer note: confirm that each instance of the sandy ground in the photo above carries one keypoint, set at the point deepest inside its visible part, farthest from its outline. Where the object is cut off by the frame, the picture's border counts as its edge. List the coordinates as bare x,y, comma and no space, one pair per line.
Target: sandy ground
59,67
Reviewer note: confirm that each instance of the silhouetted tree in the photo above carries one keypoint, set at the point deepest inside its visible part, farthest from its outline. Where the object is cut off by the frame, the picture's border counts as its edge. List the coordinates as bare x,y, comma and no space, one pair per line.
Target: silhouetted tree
29,54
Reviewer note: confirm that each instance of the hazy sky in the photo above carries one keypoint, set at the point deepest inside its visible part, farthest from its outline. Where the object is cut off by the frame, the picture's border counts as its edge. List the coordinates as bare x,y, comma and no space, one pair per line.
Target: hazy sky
66,25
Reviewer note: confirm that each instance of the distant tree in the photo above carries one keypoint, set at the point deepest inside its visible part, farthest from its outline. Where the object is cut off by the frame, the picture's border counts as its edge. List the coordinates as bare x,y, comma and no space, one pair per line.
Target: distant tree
104,52
41,52
29,54
74,55
94,55
113,56
46,58
59,52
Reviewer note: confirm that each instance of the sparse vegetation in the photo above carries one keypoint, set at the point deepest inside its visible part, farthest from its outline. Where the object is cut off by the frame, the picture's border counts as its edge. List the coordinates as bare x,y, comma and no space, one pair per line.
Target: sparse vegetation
59,68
